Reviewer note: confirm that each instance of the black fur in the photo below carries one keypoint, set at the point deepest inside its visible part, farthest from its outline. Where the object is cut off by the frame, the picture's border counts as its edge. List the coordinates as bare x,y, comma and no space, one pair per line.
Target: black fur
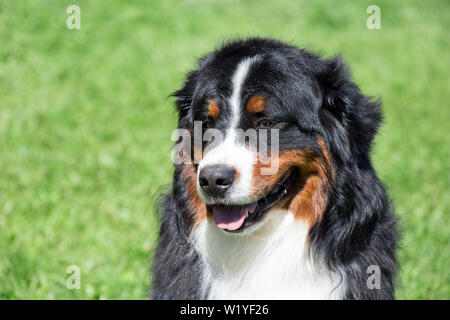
309,97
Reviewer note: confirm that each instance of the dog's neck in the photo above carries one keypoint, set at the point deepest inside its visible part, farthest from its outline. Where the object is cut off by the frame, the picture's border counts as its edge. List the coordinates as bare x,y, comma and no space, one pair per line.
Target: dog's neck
271,262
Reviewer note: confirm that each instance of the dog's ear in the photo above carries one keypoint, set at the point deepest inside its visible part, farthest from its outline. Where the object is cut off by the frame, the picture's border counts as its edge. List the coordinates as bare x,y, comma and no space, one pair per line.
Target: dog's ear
350,118
334,81
184,99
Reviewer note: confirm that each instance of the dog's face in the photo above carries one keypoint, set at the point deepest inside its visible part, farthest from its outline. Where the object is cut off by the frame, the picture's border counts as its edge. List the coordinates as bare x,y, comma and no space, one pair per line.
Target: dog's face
267,120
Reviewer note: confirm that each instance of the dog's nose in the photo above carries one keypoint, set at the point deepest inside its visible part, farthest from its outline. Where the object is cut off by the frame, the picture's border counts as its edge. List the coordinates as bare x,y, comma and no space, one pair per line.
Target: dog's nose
216,179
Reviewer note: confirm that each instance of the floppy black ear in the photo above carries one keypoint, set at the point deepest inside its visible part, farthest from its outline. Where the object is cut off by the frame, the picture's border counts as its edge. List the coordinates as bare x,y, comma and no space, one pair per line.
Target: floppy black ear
183,101
351,118
334,81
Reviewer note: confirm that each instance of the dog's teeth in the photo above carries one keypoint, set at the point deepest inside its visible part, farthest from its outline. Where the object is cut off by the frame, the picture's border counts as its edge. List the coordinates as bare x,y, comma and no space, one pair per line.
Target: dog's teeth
246,215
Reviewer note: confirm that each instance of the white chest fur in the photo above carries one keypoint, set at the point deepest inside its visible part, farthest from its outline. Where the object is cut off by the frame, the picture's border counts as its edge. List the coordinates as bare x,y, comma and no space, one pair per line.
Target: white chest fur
271,262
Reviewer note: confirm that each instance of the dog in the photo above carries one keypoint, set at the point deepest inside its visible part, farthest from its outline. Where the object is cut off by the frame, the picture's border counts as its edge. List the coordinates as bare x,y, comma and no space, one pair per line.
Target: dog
319,226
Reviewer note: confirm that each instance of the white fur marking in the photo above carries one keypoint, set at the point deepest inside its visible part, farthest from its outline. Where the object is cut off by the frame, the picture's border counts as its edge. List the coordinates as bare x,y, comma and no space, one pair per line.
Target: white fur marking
238,80
229,152
270,263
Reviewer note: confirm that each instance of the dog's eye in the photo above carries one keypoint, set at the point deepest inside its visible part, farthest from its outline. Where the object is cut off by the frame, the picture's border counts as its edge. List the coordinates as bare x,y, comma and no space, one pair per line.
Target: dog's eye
207,124
264,124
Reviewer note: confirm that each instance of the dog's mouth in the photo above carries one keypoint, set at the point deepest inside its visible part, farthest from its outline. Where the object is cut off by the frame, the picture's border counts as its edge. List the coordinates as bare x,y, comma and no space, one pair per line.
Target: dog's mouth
235,218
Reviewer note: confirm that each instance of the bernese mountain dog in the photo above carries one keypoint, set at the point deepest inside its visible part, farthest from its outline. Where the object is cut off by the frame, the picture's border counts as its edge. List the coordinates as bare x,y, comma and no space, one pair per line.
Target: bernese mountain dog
317,225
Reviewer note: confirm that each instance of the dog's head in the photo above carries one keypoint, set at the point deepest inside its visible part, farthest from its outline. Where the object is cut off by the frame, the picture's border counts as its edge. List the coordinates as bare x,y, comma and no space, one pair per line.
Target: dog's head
277,125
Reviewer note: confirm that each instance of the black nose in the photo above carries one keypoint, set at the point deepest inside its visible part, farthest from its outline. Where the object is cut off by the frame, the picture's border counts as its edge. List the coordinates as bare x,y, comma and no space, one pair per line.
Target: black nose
216,179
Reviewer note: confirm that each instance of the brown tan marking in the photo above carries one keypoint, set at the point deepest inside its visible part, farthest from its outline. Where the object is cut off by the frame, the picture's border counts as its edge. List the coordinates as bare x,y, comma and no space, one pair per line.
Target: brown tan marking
213,109
256,104
307,197
198,154
189,175
326,154
237,175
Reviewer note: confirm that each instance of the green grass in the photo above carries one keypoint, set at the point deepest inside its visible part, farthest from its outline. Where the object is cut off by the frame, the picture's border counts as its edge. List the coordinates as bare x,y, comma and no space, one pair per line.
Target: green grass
85,128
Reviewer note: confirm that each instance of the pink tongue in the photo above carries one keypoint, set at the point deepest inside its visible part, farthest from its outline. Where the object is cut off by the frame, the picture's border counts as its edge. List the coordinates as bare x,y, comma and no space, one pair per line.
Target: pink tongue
229,217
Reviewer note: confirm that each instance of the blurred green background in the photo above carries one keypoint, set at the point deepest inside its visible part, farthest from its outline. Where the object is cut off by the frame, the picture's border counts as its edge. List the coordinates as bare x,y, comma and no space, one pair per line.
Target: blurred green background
85,127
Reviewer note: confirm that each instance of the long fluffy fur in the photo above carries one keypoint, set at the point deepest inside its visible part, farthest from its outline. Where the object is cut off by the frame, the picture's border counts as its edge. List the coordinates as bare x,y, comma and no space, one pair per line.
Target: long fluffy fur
357,229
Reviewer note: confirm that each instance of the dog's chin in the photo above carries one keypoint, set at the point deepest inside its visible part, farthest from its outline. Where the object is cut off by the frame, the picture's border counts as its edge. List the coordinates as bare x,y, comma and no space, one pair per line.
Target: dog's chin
244,218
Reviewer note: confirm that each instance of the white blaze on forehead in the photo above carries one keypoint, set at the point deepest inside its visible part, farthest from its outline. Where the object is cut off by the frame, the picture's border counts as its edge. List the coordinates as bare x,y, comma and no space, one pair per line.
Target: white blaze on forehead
238,81
230,152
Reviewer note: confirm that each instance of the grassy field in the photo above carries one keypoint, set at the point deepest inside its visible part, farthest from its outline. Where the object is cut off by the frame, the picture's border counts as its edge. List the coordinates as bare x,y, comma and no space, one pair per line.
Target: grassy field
85,127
